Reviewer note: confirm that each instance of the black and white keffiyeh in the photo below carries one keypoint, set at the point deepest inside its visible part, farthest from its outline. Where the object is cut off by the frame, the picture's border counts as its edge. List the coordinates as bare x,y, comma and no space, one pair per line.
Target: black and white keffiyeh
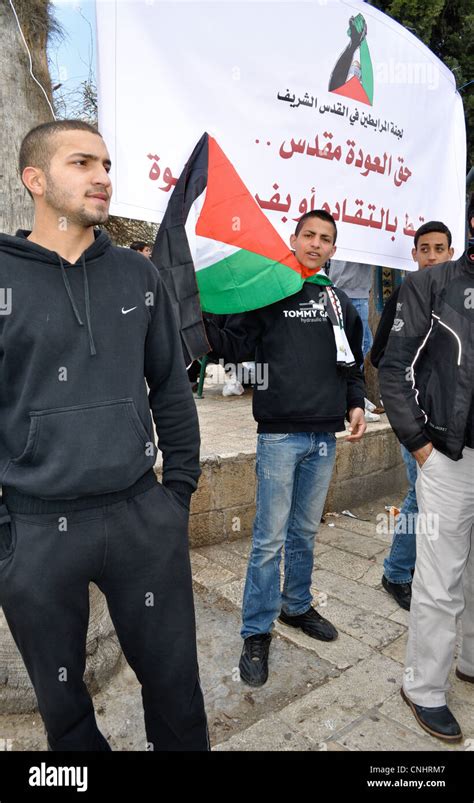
345,357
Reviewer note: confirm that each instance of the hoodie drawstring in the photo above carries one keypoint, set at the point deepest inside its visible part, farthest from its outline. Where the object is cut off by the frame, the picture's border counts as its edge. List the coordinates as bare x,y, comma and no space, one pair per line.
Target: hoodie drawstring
88,306
69,292
86,298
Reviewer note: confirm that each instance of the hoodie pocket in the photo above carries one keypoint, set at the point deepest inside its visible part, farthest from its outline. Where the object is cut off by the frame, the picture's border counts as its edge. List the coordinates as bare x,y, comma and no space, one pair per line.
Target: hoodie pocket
82,450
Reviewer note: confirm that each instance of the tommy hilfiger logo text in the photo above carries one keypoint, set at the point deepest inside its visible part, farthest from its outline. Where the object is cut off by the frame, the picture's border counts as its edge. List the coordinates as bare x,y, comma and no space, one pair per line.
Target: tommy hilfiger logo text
308,309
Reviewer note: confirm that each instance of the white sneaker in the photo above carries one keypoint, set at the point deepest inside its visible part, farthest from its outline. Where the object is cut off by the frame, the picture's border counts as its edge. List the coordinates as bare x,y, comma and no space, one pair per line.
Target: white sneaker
233,388
371,417
370,406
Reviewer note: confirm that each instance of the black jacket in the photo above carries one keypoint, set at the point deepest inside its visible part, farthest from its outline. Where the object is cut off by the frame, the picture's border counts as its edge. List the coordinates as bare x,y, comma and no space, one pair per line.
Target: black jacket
427,373
75,351
293,341
384,328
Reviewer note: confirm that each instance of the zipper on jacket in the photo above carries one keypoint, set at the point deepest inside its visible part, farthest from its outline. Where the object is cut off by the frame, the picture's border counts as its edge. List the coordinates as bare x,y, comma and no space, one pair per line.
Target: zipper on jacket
412,367
452,332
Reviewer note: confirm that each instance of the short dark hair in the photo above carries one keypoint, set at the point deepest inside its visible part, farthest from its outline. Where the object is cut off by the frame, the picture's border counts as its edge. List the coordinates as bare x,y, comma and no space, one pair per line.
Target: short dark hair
319,213
36,148
139,245
433,226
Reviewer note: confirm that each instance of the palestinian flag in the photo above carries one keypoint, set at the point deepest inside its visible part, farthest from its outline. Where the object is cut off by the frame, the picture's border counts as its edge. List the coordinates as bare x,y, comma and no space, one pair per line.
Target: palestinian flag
217,250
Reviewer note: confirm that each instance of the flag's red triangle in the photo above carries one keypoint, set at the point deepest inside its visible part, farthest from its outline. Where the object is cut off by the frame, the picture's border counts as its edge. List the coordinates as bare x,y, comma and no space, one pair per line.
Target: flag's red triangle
231,215
353,89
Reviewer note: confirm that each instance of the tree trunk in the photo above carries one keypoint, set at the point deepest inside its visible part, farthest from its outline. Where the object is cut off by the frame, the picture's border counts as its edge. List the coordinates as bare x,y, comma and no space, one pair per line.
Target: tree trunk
22,106
102,650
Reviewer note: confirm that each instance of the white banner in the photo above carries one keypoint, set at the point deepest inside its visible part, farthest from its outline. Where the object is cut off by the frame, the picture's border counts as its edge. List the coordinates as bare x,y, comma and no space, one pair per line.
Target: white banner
317,104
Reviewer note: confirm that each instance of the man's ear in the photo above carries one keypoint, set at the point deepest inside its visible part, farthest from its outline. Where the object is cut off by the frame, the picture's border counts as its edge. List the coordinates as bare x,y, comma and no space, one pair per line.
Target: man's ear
451,252
34,180
334,249
292,240
413,253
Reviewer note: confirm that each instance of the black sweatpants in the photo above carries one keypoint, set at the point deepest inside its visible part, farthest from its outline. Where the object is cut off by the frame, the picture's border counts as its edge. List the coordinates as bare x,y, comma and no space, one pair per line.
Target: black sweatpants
136,552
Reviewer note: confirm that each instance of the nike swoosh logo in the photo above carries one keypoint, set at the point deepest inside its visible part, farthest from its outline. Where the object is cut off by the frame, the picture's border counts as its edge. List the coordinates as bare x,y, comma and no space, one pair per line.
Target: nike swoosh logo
124,311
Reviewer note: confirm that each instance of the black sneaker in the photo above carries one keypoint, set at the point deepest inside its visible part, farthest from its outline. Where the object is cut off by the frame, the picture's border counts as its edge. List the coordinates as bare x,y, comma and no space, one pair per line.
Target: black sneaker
438,721
311,623
253,664
462,676
401,592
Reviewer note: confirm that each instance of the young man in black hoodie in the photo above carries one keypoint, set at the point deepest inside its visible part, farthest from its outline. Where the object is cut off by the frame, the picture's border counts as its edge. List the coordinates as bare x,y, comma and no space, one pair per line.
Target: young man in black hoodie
84,325
313,382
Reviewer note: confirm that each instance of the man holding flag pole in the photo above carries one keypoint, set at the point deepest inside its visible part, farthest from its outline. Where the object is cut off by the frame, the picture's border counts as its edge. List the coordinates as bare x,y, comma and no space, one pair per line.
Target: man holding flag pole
218,252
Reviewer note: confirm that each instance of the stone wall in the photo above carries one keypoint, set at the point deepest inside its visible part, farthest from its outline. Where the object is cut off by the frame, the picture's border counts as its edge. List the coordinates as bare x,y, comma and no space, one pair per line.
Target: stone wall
223,507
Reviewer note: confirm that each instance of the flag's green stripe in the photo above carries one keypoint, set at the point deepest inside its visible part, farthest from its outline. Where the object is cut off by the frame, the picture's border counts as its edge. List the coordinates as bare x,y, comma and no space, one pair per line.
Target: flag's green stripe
245,281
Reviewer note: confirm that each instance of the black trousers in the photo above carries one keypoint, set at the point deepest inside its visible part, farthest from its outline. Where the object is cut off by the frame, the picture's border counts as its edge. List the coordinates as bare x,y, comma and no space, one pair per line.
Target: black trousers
136,552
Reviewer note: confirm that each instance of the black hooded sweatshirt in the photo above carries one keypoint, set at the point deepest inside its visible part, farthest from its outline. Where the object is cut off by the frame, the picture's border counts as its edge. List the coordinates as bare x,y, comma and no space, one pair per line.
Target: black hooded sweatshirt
303,389
77,343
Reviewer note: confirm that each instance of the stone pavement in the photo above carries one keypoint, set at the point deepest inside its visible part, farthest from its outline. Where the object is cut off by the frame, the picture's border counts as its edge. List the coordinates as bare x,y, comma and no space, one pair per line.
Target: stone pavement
341,696
319,696
324,696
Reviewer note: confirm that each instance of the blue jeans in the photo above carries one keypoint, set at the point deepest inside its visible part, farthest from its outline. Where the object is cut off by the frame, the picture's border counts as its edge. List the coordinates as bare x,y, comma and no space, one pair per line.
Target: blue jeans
293,475
397,567
362,307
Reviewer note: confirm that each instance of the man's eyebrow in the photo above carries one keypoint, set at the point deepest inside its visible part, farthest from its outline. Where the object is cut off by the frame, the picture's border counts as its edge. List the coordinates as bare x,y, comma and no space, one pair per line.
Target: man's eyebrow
91,156
311,231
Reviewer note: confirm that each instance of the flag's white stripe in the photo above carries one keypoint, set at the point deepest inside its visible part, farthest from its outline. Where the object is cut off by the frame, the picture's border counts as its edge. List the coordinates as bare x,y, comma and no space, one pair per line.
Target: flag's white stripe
208,252
190,225
205,252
